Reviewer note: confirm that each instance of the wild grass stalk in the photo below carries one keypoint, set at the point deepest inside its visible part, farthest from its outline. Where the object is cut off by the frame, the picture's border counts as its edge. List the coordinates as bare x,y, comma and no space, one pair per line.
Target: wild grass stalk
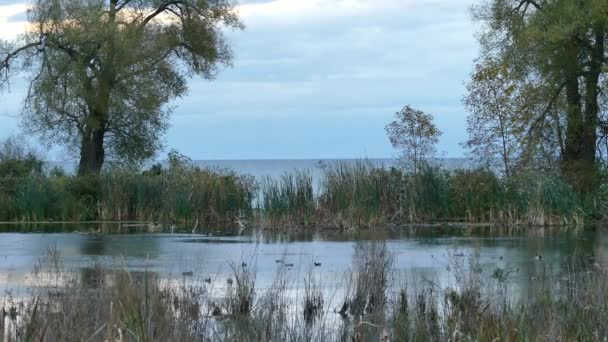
350,195
289,200
113,304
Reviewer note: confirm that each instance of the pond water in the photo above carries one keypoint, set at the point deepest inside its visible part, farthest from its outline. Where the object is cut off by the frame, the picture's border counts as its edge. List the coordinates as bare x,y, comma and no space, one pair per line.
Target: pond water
423,254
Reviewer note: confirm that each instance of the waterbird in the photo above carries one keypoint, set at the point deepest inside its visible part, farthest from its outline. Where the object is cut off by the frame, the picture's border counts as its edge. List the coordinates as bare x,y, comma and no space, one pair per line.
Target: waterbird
229,281
188,274
288,265
215,310
244,264
207,280
538,257
500,257
459,255
317,264
278,261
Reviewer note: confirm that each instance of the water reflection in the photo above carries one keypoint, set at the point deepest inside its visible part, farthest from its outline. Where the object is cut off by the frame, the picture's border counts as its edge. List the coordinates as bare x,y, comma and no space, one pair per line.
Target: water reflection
423,255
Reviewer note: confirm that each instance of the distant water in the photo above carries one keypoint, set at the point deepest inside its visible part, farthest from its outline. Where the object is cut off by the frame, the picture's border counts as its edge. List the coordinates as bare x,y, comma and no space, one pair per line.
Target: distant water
276,167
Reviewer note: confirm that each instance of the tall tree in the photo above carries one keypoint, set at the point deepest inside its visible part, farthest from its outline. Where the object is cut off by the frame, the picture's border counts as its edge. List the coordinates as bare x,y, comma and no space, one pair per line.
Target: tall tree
414,134
491,109
558,46
102,71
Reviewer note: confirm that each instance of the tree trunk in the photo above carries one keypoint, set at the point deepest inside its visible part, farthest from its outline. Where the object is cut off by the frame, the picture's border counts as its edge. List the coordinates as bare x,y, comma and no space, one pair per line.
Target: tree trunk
578,164
92,152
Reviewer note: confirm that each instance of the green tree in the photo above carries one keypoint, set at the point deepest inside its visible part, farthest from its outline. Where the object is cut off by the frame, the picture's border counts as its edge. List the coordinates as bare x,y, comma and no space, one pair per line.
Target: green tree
557,46
491,107
414,134
102,72
18,160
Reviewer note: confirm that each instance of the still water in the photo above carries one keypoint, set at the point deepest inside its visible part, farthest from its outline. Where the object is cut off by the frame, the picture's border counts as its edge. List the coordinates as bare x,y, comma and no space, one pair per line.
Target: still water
422,255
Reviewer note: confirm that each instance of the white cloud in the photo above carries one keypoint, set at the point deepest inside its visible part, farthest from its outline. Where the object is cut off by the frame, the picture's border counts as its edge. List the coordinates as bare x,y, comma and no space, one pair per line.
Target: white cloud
10,29
293,12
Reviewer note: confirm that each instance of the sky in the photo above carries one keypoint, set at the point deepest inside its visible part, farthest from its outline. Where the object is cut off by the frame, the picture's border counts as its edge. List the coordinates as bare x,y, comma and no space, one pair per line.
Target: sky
314,79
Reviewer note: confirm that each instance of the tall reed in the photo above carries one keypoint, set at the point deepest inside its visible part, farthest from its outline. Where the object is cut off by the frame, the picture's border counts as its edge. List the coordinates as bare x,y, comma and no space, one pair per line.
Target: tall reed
289,200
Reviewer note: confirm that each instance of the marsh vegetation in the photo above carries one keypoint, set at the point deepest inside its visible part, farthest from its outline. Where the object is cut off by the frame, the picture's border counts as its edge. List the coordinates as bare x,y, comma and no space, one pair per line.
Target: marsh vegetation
348,195
111,303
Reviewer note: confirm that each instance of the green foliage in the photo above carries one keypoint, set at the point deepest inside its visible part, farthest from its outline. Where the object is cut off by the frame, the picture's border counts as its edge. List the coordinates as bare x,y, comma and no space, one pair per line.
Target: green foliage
363,195
289,200
542,67
179,197
102,73
358,194
414,134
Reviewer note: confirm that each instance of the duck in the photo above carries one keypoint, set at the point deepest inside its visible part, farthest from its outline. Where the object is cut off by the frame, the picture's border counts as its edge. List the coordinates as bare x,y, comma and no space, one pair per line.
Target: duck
188,274
288,265
215,310
278,261
207,280
317,264
154,227
229,281
538,257
244,264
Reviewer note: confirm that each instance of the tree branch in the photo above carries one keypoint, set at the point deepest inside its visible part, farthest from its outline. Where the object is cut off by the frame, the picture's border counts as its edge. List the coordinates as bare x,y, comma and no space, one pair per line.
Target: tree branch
159,11
4,64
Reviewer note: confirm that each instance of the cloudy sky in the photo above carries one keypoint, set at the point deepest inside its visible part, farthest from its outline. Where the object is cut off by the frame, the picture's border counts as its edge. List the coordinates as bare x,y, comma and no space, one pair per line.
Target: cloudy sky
315,79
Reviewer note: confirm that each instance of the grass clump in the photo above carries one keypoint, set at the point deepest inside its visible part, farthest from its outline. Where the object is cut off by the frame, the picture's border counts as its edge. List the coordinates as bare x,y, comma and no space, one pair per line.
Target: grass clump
180,193
289,200
349,195
360,194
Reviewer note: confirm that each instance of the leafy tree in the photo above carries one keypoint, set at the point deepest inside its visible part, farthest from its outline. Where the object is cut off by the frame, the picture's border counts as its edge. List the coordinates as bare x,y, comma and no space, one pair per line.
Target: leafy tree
102,72
491,108
414,134
17,160
557,47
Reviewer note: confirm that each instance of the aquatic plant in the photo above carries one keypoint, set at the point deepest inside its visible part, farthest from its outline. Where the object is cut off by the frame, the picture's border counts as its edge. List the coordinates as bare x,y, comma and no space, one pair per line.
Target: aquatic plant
349,196
107,303
288,201
184,196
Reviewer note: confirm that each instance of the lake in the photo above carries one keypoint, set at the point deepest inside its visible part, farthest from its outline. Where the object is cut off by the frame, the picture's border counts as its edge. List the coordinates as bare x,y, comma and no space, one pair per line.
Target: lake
422,255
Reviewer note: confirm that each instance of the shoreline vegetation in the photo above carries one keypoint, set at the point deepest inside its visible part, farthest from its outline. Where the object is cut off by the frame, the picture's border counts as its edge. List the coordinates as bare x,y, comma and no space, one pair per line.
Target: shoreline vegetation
348,195
107,303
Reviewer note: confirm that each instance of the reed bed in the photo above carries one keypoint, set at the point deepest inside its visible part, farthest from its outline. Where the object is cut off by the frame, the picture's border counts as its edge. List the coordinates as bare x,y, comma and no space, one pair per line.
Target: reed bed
184,196
360,194
348,196
288,201
113,304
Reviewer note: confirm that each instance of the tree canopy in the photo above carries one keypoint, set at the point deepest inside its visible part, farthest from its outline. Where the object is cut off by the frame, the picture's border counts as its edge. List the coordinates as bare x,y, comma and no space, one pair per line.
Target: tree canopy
102,72
555,54
414,134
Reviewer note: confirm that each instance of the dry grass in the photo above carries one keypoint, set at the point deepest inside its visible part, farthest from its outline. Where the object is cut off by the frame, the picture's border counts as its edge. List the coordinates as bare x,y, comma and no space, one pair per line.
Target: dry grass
114,305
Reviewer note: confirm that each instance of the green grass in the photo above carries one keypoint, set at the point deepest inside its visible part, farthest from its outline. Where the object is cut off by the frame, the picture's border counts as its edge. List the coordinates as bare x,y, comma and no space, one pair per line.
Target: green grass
173,197
349,195
288,201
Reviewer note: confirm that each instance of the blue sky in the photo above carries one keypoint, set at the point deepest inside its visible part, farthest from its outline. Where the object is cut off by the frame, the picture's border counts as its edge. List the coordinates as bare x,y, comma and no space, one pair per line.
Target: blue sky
316,79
